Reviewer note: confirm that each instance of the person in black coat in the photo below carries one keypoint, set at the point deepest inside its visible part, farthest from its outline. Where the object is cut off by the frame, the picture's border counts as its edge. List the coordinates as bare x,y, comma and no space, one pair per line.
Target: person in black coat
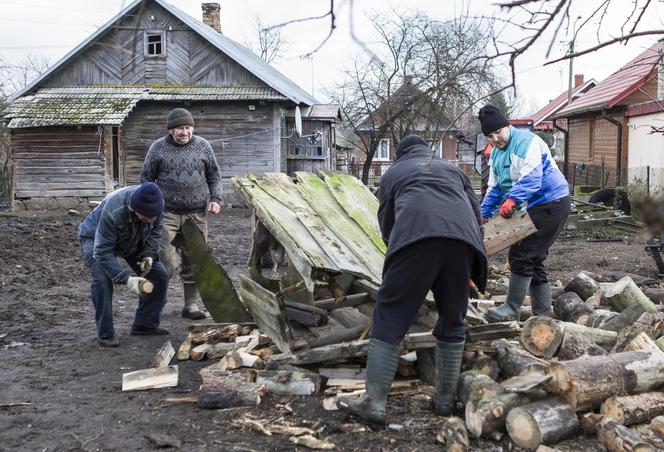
430,220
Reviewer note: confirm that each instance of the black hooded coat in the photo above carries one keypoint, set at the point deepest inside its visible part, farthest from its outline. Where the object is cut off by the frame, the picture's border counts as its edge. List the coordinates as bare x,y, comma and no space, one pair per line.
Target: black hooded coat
423,197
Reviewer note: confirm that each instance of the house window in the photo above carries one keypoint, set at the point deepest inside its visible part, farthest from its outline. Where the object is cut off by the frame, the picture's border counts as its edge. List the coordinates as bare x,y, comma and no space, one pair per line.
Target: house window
154,43
383,150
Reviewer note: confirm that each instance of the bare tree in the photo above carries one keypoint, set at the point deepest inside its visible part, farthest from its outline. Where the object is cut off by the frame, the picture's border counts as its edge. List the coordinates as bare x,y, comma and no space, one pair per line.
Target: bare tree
271,43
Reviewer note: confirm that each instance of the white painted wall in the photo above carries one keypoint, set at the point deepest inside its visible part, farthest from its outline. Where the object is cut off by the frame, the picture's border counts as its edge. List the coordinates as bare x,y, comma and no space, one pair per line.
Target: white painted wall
646,150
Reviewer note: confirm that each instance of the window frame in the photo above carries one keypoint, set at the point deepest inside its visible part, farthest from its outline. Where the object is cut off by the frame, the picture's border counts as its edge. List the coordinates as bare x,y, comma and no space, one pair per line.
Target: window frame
146,44
377,156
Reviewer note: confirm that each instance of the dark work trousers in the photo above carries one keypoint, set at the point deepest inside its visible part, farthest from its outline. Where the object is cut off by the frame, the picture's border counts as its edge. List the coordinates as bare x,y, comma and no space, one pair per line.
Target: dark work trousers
527,257
438,264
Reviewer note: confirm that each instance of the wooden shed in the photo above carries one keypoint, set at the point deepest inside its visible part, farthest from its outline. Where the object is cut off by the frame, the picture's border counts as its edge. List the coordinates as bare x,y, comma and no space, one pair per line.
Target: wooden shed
83,127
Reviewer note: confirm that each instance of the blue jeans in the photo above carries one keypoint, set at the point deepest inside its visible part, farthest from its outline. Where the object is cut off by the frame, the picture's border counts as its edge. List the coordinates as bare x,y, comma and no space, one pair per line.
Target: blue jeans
149,306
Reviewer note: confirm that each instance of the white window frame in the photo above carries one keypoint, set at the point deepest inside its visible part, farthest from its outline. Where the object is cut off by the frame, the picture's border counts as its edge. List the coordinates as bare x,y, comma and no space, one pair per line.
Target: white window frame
377,154
146,45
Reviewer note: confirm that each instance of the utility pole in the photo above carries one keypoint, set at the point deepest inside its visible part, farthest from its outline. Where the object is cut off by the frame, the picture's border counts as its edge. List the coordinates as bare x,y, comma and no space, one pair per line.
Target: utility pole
571,62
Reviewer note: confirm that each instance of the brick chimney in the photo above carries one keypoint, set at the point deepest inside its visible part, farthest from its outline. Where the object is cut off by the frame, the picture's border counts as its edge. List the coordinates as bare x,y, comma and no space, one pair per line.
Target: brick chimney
578,80
211,15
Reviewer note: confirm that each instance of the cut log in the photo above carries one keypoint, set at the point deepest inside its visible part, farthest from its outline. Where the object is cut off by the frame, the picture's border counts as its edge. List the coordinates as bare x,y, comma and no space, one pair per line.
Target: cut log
228,393
219,350
625,293
634,409
487,365
475,385
576,345
347,334
305,314
184,352
586,382
198,352
348,302
453,435
146,287
657,426
571,308
590,423
618,438
627,317
164,355
541,336
639,280
641,342
501,233
599,316
583,285
515,361
524,383
630,332
543,422
491,331
604,338
486,417
213,335
349,317
154,378
289,382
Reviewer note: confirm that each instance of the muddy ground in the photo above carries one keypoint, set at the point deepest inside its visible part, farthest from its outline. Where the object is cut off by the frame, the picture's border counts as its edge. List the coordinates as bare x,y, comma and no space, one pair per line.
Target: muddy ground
48,357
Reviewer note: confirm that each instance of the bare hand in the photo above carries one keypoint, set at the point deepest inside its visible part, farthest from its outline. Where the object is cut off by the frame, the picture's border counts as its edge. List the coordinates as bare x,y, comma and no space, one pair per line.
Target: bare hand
214,207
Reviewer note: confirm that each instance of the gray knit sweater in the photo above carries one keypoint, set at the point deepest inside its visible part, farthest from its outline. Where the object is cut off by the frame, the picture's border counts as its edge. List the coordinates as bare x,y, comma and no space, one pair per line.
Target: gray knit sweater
188,175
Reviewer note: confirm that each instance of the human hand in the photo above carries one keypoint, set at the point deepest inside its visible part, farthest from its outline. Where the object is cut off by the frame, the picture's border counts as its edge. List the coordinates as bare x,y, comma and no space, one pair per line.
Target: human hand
485,220
145,265
134,284
214,207
507,208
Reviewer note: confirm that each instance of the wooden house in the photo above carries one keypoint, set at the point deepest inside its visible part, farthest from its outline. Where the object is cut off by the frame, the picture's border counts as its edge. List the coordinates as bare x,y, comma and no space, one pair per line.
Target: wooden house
83,127
597,126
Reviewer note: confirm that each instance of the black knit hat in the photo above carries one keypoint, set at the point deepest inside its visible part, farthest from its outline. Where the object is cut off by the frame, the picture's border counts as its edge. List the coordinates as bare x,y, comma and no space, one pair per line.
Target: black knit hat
147,200
491,119
179,117
407,142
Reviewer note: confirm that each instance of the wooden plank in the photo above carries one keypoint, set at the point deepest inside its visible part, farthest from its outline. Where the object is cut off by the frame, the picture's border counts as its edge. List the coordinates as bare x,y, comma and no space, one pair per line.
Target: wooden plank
154,378
59,193
500,233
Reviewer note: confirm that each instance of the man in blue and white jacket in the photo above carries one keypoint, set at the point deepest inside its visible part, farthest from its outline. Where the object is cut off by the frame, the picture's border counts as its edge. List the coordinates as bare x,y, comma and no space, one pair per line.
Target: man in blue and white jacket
523,171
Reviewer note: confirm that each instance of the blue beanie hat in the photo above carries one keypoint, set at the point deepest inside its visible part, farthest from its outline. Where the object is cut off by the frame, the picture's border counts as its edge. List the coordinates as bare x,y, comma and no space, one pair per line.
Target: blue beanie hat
147,200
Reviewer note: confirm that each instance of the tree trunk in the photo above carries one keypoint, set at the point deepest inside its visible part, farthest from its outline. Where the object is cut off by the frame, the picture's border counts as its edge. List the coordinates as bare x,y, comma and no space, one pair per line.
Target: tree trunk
586,382
541,336
657,426
626,293
475,385
575,345
571,308
454,435
635,409
598,317
486,417
544,422
515,361
583,285
618,438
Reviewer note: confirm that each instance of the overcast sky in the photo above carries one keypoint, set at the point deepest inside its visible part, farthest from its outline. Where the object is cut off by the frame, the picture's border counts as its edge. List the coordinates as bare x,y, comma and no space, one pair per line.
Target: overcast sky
41,27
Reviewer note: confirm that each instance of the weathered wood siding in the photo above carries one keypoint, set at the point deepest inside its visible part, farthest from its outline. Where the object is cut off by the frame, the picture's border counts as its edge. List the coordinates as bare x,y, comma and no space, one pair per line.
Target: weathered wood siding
118,58
303,155
593,139
249,136
59,162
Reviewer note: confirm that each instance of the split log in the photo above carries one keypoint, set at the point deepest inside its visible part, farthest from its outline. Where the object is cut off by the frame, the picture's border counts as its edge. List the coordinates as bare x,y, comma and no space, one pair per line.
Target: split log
634,409
164,355
219,350
289,382
586,382
590,423
486,417
453,435
603,338
198,352
223,334
630,332
598,317
571,308
515,361
641,342
625,293
490,331
184,352
582,285
543,422
657,426
618,438
576,345
475,385
541,336
154,378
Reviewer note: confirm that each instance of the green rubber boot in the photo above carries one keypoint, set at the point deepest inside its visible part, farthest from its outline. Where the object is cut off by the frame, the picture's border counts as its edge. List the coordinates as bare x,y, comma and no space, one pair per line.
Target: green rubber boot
516,292
540,297
448,366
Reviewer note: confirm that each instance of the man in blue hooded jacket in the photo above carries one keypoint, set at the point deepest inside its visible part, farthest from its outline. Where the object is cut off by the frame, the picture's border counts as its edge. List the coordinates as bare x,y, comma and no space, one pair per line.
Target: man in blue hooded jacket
522,171
430,220
126,224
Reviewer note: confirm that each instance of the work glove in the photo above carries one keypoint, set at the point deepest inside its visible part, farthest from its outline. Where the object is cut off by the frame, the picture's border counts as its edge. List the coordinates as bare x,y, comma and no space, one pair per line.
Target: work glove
507,208
134,284
145,265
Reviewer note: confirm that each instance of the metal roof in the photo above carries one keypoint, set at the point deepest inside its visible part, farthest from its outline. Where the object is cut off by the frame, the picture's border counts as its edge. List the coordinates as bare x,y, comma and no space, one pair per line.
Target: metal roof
611,91
241,54
89,105
318,111
559,102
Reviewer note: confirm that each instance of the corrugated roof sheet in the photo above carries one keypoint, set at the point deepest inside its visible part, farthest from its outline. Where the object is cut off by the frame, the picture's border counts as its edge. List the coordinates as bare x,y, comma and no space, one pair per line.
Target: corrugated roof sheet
560,102
618,85
241,54
108,105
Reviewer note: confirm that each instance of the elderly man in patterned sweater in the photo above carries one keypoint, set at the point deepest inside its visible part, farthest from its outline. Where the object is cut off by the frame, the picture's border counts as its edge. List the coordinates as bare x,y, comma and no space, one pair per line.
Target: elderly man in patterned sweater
186,170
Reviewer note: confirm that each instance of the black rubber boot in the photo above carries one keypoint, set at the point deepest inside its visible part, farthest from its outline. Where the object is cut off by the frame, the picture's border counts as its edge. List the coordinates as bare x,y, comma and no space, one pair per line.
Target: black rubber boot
382,362
516,292
448,367
540,299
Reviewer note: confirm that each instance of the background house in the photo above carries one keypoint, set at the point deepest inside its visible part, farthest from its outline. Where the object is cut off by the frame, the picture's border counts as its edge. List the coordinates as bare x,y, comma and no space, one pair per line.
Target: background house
645,163
84,126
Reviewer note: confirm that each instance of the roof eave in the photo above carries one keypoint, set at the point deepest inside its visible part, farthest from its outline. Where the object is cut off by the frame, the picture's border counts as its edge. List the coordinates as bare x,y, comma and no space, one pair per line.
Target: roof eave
633,87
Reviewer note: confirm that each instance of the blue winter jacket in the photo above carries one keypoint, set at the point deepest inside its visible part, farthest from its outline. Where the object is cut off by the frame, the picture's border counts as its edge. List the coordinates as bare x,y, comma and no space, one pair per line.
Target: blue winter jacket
117,232
524,171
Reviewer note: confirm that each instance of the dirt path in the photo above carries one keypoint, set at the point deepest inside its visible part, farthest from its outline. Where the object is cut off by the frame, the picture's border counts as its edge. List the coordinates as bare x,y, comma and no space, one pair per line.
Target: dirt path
48,356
